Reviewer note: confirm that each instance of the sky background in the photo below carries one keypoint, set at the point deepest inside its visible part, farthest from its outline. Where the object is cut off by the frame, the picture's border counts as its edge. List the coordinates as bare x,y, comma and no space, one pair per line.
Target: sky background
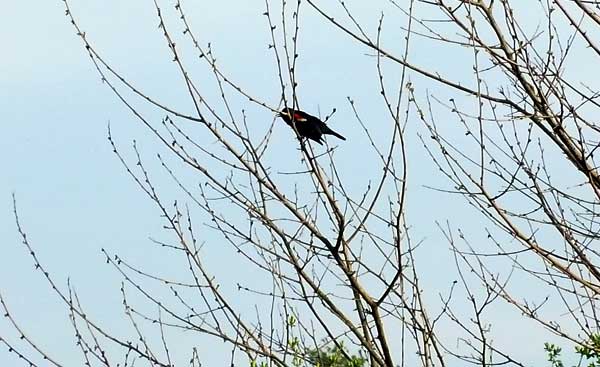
74,198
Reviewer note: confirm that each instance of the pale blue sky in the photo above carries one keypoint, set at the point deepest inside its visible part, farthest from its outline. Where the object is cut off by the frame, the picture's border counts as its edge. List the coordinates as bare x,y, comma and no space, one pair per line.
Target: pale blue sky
74,197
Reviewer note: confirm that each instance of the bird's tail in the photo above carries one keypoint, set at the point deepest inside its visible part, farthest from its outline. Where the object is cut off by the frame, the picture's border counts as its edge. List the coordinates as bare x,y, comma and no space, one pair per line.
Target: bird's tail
331,132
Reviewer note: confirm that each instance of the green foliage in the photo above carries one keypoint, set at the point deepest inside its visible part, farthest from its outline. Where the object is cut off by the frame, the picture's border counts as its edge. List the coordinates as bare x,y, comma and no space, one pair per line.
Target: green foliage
332,356
553,353
589,354
591,351
253,363
292,321
335,356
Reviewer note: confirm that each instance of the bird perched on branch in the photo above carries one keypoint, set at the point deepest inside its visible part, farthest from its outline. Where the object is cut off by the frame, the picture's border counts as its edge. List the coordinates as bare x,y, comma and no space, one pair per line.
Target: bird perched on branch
307,126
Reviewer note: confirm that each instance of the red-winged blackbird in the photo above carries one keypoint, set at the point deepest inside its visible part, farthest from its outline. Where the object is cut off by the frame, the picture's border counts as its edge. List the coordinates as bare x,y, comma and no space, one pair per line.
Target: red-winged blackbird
307,126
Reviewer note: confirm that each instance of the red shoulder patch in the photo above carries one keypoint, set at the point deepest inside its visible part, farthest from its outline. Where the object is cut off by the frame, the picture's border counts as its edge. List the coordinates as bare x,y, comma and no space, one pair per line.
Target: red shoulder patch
298,117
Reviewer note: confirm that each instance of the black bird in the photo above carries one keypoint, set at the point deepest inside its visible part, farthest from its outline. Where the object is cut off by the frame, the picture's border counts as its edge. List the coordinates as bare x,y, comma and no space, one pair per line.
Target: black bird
308,126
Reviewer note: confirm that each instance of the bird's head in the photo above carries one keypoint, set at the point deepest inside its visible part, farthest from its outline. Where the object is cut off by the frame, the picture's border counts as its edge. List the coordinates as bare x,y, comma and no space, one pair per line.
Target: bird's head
290,115
286,113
